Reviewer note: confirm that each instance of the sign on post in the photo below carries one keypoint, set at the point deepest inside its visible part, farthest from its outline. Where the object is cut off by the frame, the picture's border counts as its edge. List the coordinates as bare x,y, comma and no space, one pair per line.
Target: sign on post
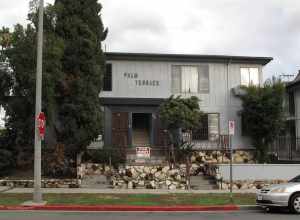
231,127
41,125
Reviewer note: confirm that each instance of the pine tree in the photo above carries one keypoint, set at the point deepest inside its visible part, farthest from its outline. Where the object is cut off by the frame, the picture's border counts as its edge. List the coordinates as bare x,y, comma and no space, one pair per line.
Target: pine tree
73,67
79,112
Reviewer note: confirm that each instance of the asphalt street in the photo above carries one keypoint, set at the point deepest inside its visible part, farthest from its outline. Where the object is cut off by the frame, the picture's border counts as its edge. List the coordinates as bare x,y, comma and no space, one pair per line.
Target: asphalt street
240,215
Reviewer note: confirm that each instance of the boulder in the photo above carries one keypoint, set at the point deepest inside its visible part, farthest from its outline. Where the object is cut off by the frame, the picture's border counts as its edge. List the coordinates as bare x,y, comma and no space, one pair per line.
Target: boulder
147,170
141,183
195,166
153,170
165,169
226,160
157,174
225,186
178,177
173,172
214,160
201,154
153,184
130,185
107,169
172,187
238,159
220,159
244,186
162,176
143,175
134,174
234,187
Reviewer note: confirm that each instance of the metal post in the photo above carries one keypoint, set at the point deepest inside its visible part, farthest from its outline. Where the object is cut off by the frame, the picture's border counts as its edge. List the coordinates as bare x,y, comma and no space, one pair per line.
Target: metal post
230,148
37,194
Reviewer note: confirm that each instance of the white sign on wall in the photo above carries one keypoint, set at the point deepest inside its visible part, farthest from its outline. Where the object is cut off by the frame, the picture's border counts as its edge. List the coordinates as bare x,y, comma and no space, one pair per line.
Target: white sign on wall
143,152
231,127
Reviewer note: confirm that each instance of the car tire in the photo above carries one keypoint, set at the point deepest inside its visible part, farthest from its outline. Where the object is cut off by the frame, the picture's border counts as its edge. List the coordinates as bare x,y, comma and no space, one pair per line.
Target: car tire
295,203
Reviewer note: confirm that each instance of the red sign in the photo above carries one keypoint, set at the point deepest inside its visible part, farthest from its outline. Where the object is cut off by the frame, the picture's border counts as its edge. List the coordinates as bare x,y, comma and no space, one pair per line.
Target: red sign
143,152
231,127
41,119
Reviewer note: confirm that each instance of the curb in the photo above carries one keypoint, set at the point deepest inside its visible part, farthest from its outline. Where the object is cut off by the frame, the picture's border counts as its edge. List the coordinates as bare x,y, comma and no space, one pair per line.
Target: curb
122,208
249,208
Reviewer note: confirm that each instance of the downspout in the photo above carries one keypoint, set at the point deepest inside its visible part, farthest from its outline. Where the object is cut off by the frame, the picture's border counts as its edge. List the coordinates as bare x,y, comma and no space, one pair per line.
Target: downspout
227,90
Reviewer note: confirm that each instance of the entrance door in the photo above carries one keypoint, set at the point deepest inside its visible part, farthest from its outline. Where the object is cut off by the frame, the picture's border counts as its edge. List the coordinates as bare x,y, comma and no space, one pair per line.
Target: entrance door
141,129
120,129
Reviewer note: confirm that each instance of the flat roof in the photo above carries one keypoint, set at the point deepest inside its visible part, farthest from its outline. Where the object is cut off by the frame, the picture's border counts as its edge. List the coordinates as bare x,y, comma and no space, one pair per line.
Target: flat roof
186,58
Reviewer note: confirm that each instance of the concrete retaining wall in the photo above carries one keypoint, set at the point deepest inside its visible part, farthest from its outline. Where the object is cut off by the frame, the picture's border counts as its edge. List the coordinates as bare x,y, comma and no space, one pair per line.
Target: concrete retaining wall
260,171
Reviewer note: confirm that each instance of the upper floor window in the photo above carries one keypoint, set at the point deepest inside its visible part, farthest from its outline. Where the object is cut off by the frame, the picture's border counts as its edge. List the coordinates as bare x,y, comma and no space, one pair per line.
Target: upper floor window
190,79
249,76
107,79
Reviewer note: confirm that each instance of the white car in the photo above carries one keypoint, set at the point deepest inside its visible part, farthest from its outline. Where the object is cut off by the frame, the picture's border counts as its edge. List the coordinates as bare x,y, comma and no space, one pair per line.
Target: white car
281,195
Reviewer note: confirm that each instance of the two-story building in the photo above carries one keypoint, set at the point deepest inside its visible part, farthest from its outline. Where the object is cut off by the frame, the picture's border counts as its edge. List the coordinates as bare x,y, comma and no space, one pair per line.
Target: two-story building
289,148
136,84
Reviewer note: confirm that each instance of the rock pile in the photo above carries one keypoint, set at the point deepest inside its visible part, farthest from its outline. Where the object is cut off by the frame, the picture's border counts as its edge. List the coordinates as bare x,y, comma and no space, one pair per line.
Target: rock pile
46,183
215,157
91,169
149,177
162,177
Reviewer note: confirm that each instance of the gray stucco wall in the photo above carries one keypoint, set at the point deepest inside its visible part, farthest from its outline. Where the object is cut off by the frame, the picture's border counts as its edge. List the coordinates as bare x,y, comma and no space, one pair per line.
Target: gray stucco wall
260,171
223,77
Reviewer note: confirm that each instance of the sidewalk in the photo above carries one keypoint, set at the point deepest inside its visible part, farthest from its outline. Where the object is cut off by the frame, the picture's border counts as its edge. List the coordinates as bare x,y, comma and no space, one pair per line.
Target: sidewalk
4,189
120,191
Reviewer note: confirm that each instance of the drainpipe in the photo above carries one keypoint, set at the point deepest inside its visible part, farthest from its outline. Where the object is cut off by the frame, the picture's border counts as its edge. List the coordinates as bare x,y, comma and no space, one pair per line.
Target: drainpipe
229,137
227,89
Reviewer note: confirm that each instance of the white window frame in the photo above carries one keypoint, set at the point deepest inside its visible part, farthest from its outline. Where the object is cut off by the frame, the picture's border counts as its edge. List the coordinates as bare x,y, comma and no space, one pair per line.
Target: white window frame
189,79
248,80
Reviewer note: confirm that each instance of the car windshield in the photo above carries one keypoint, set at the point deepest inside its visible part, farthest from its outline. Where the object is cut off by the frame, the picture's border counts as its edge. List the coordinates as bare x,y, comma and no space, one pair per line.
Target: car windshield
295,180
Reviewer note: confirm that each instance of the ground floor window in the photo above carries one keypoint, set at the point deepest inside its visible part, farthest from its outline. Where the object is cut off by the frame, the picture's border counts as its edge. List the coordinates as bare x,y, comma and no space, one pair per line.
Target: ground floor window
245,130
207,129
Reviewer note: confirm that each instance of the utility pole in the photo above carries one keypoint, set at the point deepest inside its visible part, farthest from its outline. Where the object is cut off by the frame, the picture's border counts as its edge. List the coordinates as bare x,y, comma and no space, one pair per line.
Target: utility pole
37,194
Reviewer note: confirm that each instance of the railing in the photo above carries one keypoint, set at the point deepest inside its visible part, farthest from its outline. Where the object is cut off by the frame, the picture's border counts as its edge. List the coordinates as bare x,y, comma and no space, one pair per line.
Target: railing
218,142
286,148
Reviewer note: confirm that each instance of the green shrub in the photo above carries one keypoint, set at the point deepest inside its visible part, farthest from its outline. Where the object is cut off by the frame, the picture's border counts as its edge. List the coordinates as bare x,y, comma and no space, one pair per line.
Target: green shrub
105,156
6,161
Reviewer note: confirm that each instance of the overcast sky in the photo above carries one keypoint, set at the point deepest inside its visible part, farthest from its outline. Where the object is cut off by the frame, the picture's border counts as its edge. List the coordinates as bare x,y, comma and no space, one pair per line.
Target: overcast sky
232,27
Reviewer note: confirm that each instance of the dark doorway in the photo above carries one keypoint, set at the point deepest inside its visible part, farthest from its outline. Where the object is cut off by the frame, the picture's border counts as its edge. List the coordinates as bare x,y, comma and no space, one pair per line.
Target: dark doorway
141,129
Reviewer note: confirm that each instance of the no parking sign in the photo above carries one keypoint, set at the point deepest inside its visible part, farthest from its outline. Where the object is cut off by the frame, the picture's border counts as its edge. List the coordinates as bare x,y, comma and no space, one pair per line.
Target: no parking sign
41,124
231,127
